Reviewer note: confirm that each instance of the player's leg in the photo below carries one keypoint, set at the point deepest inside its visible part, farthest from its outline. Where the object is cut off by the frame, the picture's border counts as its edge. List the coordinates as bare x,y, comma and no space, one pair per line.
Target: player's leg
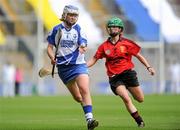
74,90
137,93
132,84
123,93
82,81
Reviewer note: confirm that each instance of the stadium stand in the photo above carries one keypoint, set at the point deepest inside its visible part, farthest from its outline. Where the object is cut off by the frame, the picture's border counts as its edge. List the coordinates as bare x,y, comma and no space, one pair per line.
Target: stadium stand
98,12
175,6
2,35
114,10
22,59
162,12
14,28
44,11
146,28
2,38
19,27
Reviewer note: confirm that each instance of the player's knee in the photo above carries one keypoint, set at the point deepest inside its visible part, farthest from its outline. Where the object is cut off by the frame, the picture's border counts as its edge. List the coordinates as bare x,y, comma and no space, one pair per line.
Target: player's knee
78,99
140,99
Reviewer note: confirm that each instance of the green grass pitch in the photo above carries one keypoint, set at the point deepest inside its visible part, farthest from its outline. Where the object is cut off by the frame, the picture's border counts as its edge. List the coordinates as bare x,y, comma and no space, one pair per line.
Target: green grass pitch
160,112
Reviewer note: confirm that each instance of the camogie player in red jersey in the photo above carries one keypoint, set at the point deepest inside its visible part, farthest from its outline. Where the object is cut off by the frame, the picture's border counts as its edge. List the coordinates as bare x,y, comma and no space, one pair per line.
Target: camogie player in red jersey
118,52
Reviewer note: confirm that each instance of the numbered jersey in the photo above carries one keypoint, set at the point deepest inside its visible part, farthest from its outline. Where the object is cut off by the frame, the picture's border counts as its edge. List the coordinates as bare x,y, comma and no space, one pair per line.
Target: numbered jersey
68,50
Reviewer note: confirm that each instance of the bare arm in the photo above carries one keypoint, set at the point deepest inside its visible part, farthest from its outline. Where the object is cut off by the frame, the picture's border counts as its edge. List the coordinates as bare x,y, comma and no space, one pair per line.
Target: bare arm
143,60
91,62
82,49
51,53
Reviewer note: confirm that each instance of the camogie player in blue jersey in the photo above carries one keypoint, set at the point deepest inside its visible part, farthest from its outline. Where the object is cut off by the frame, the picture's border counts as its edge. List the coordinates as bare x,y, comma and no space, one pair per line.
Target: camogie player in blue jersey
70,62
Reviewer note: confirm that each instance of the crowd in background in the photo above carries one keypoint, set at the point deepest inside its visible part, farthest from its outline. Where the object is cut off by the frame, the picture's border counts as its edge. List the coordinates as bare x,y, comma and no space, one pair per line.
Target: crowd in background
12,78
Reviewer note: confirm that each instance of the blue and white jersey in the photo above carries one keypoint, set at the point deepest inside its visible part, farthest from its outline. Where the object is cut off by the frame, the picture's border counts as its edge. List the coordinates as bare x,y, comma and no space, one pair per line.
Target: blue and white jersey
68,50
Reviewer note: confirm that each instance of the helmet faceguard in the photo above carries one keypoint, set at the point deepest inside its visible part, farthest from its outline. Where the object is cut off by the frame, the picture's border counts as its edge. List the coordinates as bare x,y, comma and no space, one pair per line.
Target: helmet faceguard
69,9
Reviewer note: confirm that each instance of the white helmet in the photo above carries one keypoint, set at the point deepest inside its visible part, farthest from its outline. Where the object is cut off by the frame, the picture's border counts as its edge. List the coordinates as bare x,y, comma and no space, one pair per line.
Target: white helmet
69,9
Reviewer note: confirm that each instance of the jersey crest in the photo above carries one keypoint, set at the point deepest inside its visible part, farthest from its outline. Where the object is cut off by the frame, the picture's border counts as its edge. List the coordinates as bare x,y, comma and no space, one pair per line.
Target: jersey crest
107,52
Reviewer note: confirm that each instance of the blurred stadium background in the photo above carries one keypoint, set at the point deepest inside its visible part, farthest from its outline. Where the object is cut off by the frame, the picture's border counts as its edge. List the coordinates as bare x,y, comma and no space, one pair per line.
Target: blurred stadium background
24,25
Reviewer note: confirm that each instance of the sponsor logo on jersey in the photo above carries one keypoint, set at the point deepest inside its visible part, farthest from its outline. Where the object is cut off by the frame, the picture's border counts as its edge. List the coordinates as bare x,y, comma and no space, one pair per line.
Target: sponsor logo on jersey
67,43
123,49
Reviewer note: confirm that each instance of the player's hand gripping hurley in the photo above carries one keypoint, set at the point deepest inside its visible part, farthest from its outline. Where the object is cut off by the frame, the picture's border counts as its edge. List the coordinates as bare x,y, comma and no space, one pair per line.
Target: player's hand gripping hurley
59,35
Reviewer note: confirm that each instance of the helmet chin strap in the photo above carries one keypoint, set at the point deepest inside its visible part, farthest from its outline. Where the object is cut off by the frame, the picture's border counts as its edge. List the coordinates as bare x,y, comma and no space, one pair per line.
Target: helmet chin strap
114,34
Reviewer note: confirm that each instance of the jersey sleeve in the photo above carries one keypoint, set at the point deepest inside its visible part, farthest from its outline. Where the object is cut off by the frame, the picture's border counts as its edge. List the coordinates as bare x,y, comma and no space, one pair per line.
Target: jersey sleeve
133,48
51,36
100,52
83,39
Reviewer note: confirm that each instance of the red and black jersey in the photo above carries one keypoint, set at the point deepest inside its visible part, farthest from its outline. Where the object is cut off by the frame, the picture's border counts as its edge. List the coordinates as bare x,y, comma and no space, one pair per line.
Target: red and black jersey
118,56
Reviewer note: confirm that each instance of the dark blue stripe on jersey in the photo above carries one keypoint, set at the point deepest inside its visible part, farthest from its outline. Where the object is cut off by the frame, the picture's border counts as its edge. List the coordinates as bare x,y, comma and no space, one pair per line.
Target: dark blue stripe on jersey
75,55
66,57
51,38
62,27
81,40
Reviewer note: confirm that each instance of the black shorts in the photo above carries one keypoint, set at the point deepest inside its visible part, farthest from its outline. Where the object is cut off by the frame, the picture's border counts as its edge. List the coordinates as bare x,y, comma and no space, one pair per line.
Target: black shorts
127,78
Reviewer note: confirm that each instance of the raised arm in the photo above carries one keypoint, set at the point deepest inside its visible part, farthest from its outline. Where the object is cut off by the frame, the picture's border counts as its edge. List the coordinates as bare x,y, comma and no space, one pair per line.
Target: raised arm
91,62
143,60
